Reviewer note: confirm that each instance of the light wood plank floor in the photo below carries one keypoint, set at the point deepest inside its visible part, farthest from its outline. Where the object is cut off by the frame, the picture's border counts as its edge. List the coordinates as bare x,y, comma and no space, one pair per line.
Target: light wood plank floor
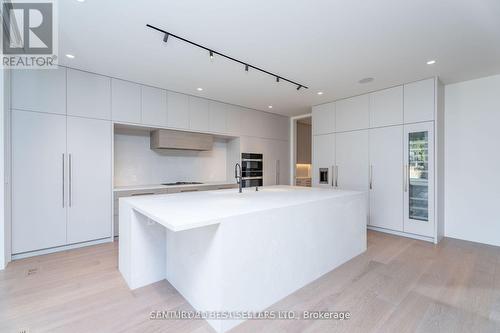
398,285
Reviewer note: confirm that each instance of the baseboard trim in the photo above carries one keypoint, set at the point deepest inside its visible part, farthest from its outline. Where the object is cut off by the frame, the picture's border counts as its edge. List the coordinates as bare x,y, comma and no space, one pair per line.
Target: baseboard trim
400,233
60,248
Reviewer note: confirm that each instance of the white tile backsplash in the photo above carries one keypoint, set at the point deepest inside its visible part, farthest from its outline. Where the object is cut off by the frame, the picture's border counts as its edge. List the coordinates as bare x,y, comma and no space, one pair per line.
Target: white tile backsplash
137,164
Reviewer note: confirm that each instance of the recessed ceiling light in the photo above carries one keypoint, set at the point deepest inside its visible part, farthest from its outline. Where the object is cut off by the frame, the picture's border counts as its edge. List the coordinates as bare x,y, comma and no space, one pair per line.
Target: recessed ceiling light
70,56
270,106
320,93
366,80
80,0
199,89
431,62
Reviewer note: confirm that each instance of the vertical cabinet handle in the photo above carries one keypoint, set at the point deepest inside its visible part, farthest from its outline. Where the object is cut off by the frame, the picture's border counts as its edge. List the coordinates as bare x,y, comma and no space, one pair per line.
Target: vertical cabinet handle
333,175
277,172
406,175
63,179
70,190
371,177
336,176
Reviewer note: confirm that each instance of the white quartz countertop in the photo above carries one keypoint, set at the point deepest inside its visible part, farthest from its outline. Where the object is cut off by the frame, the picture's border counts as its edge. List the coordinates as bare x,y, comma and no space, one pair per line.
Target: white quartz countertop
184,211
159,186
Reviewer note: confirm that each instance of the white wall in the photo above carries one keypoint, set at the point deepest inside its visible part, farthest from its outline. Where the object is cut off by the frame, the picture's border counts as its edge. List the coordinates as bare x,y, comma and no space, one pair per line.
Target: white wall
472,155
137,164
2,163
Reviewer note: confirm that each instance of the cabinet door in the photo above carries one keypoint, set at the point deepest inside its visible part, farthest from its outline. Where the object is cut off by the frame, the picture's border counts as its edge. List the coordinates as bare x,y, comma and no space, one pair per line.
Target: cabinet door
89,95
419,179
323,160
304,143
89,179
323,119
154,106
419,101
352,160
217,115
177,110
42,91
386,177
198,114
386,107
233,120
38,172
126,101
352,113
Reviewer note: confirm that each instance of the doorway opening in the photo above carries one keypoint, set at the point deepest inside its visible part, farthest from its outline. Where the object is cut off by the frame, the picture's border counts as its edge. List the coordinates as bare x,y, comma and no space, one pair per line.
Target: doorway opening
302,151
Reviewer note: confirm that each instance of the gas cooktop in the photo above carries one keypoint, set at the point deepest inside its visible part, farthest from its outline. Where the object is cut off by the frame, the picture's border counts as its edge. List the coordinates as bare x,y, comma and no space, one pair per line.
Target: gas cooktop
182,183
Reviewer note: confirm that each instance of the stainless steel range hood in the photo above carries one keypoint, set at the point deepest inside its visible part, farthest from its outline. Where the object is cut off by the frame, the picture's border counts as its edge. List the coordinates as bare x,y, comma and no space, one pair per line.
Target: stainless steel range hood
170,139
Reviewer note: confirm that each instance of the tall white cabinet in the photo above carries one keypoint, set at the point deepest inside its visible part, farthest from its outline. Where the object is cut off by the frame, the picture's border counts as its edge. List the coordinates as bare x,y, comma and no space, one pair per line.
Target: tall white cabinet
384,143
39,178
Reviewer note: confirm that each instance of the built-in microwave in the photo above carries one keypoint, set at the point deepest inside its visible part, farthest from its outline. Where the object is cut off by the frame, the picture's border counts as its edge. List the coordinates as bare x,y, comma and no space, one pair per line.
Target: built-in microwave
252,169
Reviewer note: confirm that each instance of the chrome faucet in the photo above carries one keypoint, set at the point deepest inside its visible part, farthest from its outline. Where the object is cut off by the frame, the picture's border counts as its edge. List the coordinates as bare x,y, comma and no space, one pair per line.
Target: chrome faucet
237,174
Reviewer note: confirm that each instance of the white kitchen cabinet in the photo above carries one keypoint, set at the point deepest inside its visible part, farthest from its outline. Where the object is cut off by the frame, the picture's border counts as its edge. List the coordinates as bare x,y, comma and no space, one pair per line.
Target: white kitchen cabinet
386,177
252,123
39,90
419,179
419,101
233,120
323,156
323,118
275,126
198,114
217,117
89,179
276,161
352,160
88,95
177,110
38,185
352,113
386,107
125,101
154,106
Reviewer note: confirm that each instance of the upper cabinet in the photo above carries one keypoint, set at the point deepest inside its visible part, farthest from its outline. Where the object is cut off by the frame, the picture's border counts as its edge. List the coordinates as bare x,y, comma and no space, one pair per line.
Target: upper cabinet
88,95
198,114
177,110
154,106
419,101
386,107
39,90
217,117
352,113
323,121
126,101
233,120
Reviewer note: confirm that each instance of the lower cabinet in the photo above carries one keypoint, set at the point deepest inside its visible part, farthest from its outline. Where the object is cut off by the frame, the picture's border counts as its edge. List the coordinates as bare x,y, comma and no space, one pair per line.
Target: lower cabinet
61,180
323,156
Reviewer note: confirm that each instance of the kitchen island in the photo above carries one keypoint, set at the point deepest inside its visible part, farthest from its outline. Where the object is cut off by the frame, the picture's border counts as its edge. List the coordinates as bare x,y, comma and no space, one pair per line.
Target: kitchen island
229,252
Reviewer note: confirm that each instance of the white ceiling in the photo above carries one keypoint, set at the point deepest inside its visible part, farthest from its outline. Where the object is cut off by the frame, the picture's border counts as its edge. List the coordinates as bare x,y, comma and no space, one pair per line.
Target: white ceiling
328,45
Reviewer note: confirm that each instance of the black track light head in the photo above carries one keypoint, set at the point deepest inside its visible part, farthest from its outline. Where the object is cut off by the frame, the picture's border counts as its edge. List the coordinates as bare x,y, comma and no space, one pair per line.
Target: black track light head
211,54
277,79
298,87
246,68
165,38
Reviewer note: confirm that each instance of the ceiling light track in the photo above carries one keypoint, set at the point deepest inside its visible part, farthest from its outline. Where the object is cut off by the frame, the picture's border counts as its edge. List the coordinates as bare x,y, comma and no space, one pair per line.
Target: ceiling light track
212,52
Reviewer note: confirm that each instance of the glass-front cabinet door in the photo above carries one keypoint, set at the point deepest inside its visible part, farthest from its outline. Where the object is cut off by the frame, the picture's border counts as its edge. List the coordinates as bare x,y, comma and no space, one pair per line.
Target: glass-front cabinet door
419,179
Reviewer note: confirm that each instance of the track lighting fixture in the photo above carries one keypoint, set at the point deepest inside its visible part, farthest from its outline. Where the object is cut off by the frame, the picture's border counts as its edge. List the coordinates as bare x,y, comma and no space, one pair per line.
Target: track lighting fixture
212,53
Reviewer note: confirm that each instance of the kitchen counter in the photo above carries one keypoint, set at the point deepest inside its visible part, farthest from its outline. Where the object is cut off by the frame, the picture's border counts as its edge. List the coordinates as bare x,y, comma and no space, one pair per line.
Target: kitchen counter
176,213
238,252
159,186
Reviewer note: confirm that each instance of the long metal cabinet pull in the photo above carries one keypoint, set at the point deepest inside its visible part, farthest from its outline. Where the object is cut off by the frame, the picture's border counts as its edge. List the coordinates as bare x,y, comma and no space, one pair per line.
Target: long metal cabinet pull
336,176
371,177
70,181
63,180
277,172
333,175
406,175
